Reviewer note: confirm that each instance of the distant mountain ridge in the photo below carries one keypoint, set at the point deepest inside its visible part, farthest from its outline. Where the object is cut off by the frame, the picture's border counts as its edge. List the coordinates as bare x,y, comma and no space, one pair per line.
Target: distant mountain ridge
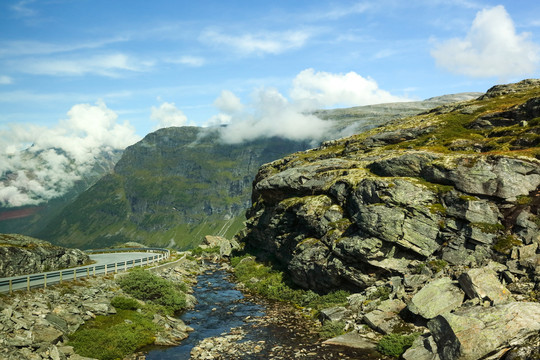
179,184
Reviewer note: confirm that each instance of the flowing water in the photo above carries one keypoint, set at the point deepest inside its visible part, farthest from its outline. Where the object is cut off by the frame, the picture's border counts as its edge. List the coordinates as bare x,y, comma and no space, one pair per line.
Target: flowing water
221,307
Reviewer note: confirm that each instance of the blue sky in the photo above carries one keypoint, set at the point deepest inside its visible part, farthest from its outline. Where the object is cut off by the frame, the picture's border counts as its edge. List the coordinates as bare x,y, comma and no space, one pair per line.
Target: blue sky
90,73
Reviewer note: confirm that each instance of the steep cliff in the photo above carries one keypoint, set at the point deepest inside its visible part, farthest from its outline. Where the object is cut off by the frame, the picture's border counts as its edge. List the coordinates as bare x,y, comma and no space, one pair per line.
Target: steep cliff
455,185
20,255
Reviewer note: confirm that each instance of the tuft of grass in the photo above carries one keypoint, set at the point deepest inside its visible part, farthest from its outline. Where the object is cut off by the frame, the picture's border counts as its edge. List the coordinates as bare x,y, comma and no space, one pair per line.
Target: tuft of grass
395,344
332,329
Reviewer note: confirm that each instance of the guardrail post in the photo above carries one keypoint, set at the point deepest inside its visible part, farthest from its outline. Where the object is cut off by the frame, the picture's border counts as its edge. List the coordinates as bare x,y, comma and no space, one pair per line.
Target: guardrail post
44,281
74,274
28,283
125,265
60,277
94,271
105,269
115,268
10,286
87,272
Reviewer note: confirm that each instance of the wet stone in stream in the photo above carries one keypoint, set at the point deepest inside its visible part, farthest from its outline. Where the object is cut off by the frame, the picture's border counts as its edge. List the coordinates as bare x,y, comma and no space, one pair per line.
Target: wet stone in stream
229,325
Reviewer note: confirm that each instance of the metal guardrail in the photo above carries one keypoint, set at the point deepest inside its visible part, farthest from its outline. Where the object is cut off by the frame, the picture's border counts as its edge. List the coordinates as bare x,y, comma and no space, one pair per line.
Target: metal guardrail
31,281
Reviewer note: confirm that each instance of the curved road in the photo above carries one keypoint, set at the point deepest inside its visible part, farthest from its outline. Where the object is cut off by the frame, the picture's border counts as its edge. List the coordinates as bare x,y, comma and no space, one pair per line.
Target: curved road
104,263
110,258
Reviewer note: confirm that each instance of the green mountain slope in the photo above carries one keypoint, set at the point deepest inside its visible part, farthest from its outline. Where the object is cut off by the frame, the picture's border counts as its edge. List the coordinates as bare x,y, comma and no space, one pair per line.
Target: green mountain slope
170,189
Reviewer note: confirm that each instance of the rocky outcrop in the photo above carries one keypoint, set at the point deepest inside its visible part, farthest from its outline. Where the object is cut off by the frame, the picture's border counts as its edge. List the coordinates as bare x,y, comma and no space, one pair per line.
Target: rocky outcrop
442,208
20,255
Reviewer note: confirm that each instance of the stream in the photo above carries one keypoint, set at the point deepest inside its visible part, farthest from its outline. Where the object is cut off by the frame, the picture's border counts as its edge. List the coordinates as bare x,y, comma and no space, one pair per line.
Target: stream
221,307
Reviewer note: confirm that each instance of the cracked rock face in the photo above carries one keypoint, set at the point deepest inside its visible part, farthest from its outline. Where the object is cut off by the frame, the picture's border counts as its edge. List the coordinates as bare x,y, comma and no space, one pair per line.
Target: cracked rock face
378,204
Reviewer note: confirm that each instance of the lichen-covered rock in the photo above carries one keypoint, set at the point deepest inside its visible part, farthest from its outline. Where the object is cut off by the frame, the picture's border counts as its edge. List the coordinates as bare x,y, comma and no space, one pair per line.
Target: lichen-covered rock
384,318
20,255
482,283
472,333
437,297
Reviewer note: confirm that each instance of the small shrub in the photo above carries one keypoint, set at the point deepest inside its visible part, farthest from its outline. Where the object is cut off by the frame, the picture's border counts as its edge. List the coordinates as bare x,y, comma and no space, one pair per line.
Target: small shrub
332,329
395,344
144,285
198,251
114,336
125,303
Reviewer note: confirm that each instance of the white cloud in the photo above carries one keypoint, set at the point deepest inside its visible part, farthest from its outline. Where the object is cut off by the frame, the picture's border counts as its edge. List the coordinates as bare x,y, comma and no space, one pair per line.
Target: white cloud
337,12
22,9
194,61
228,103
110,65
32,47
491,48
270,113
258,43
321,89
5,80
167,115
55,158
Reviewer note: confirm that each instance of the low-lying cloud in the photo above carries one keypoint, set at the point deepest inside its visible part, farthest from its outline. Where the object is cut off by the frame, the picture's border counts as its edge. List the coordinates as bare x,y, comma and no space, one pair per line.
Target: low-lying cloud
38,163
491,48
167,115
270,113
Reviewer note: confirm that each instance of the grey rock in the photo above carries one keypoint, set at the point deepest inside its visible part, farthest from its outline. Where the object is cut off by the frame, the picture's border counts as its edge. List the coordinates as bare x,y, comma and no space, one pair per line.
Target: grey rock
352,340
411,164
497,176
483,284
470,209
356,301
337,313
384,318
423,348
472,333
57,322
437,297
528,257
46,334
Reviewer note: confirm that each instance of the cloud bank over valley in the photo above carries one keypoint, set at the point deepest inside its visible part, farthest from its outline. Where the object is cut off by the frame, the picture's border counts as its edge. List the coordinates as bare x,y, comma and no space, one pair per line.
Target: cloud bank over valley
38,163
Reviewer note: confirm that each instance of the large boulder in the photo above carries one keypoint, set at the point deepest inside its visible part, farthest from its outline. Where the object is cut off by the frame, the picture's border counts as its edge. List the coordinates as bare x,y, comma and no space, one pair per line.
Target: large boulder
471,333
437,297
482,283
384,318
